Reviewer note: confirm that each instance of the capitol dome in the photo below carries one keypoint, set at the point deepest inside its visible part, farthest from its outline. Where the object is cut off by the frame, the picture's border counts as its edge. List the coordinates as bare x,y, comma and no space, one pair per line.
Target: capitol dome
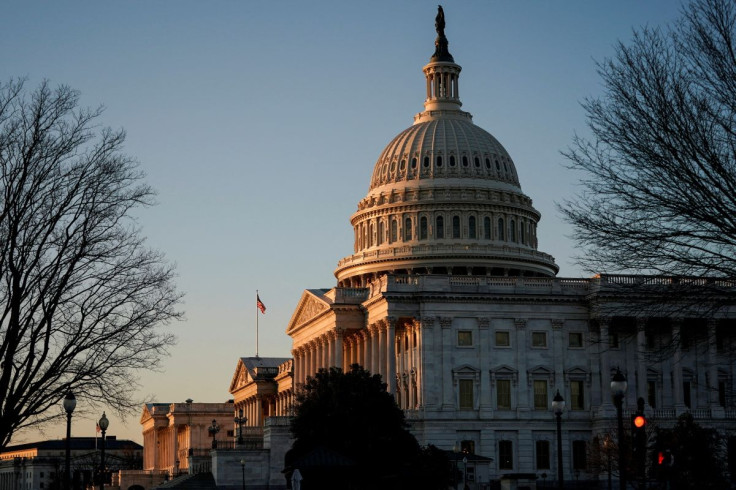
444,197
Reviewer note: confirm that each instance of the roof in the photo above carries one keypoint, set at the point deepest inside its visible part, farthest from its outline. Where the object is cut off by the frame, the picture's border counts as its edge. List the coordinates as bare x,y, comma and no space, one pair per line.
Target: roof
76,443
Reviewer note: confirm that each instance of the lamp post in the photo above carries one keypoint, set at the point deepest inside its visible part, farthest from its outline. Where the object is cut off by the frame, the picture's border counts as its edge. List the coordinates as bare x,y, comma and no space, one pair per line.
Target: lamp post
240,420
618,390
242,467
69,404
103,423
213,430
558,406
465,473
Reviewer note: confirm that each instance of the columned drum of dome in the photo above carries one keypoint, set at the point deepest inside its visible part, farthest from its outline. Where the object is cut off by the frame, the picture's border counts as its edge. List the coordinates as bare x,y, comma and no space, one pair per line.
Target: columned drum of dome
444,197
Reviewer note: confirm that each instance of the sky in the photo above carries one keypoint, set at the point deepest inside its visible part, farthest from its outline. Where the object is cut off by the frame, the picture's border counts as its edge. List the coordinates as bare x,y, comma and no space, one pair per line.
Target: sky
259,123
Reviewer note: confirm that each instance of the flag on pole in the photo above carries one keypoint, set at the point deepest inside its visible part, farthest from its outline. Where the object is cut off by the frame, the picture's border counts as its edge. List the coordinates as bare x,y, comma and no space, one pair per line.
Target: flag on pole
260,304
97,427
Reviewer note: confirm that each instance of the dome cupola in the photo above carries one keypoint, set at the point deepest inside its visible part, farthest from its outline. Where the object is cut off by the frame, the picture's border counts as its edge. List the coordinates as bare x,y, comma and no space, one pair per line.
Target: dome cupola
444,197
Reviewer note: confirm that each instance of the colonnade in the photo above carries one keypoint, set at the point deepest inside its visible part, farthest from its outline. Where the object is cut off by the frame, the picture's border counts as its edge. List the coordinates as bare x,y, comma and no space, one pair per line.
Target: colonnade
373,347
259,406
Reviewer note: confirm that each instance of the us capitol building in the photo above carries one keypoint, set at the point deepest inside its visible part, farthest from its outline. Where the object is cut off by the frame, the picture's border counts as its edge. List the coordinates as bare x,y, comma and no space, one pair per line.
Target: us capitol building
448,297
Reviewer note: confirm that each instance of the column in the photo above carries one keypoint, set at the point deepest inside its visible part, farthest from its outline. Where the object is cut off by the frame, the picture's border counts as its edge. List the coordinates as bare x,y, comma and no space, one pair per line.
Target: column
330,345
448,391
382,351
259,411
604,346
523,387
365,339
339,338
678,399
391,353
375,347
641,361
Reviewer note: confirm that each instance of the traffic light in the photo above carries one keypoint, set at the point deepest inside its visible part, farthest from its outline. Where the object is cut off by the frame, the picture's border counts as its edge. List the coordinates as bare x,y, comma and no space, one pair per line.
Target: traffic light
639,422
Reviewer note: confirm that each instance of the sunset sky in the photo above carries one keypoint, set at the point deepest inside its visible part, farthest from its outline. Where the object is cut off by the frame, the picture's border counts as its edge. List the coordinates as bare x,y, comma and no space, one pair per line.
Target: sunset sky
259,124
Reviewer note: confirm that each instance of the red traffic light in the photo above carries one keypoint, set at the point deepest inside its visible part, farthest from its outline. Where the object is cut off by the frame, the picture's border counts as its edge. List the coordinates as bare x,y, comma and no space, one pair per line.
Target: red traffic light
660,458
639,421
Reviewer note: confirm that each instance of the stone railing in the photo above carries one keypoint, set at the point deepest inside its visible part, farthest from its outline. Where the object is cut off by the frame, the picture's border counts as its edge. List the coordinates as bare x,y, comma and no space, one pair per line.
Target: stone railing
442,282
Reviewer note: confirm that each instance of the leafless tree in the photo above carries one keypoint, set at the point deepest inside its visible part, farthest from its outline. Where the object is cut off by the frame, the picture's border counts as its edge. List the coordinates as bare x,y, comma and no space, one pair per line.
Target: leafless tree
659,171
81,296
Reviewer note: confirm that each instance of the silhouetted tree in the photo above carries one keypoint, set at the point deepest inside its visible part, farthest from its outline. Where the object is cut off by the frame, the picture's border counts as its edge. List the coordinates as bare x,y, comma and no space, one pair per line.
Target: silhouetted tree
697,452
352,414
659,184
80,295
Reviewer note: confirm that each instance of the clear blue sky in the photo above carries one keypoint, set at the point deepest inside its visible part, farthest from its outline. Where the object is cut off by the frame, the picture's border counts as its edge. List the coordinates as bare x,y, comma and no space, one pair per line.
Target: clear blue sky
259,124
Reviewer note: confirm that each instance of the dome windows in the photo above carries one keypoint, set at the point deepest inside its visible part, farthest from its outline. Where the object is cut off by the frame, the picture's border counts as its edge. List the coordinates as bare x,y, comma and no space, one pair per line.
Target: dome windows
487,228
488,163
456,227
425,163
452,160
471,227
439,161
501,234
407,229
414,162
465,161
439,227
476,160
423,228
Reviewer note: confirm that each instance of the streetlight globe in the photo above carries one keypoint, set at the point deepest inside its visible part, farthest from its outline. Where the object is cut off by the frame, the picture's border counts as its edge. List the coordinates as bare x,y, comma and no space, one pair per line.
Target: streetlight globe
242,462
104,423
618,384
558,403
70,402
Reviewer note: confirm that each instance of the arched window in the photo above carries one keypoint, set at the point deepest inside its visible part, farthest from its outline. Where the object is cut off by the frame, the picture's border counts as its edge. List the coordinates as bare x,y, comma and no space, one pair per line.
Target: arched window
426,162
456,227
471,227
423,228
414,162
476,160
465,161
439,161
370,234
381,232
512,230
487,228
394,230
500,229
407,230
439,227
452,160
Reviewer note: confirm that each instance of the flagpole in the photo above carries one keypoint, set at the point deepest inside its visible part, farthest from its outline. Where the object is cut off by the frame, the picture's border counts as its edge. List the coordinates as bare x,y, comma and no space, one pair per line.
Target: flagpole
257,298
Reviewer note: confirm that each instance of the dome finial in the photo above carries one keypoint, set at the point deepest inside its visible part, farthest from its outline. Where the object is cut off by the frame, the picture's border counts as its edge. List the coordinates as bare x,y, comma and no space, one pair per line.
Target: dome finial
441,52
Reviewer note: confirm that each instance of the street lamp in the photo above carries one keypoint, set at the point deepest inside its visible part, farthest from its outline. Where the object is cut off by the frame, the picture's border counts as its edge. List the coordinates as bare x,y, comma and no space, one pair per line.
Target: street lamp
465,473
213,430
558,406
240,420
242,466
103,423
69,404
618,390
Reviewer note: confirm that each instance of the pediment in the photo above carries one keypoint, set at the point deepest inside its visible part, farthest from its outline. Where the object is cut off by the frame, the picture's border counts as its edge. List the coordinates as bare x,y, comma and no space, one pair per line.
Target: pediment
504,370
240,378
465,369
311,304
541,371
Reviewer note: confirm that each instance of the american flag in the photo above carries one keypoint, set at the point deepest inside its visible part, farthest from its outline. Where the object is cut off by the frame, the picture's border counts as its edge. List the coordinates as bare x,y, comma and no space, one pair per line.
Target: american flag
260,305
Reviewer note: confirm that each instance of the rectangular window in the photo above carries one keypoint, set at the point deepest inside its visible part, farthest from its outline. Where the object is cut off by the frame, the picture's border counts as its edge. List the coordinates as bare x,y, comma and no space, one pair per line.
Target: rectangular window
722,393
575,340
465,338
466,394
652,393
686,393
540,395
470,473
503,394
539,339
503,338
577,395
613,340
505,455
542,450
467,447
579,455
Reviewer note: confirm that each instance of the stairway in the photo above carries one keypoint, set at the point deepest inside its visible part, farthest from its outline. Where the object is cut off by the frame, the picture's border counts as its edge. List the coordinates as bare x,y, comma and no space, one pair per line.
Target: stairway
197,481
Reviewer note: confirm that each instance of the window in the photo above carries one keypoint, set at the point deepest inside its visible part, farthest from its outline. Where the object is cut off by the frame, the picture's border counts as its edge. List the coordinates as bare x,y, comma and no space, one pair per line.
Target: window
503,338
652,393
577,395
407,229
464,338
540,395
452,160
439,161
487,228
394,230
466,394
439,227
500,229
503,394
370,234
575,340
542,452
381,232
521,232
467,447
456,227
423,228
470,473
579,455
425,162
539,339
512,231
505,455
465,161
613,340
471,227
476,160
722,393
686,393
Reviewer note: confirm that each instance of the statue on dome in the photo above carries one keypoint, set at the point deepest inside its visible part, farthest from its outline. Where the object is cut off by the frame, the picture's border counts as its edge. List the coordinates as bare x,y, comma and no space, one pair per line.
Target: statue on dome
441,52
